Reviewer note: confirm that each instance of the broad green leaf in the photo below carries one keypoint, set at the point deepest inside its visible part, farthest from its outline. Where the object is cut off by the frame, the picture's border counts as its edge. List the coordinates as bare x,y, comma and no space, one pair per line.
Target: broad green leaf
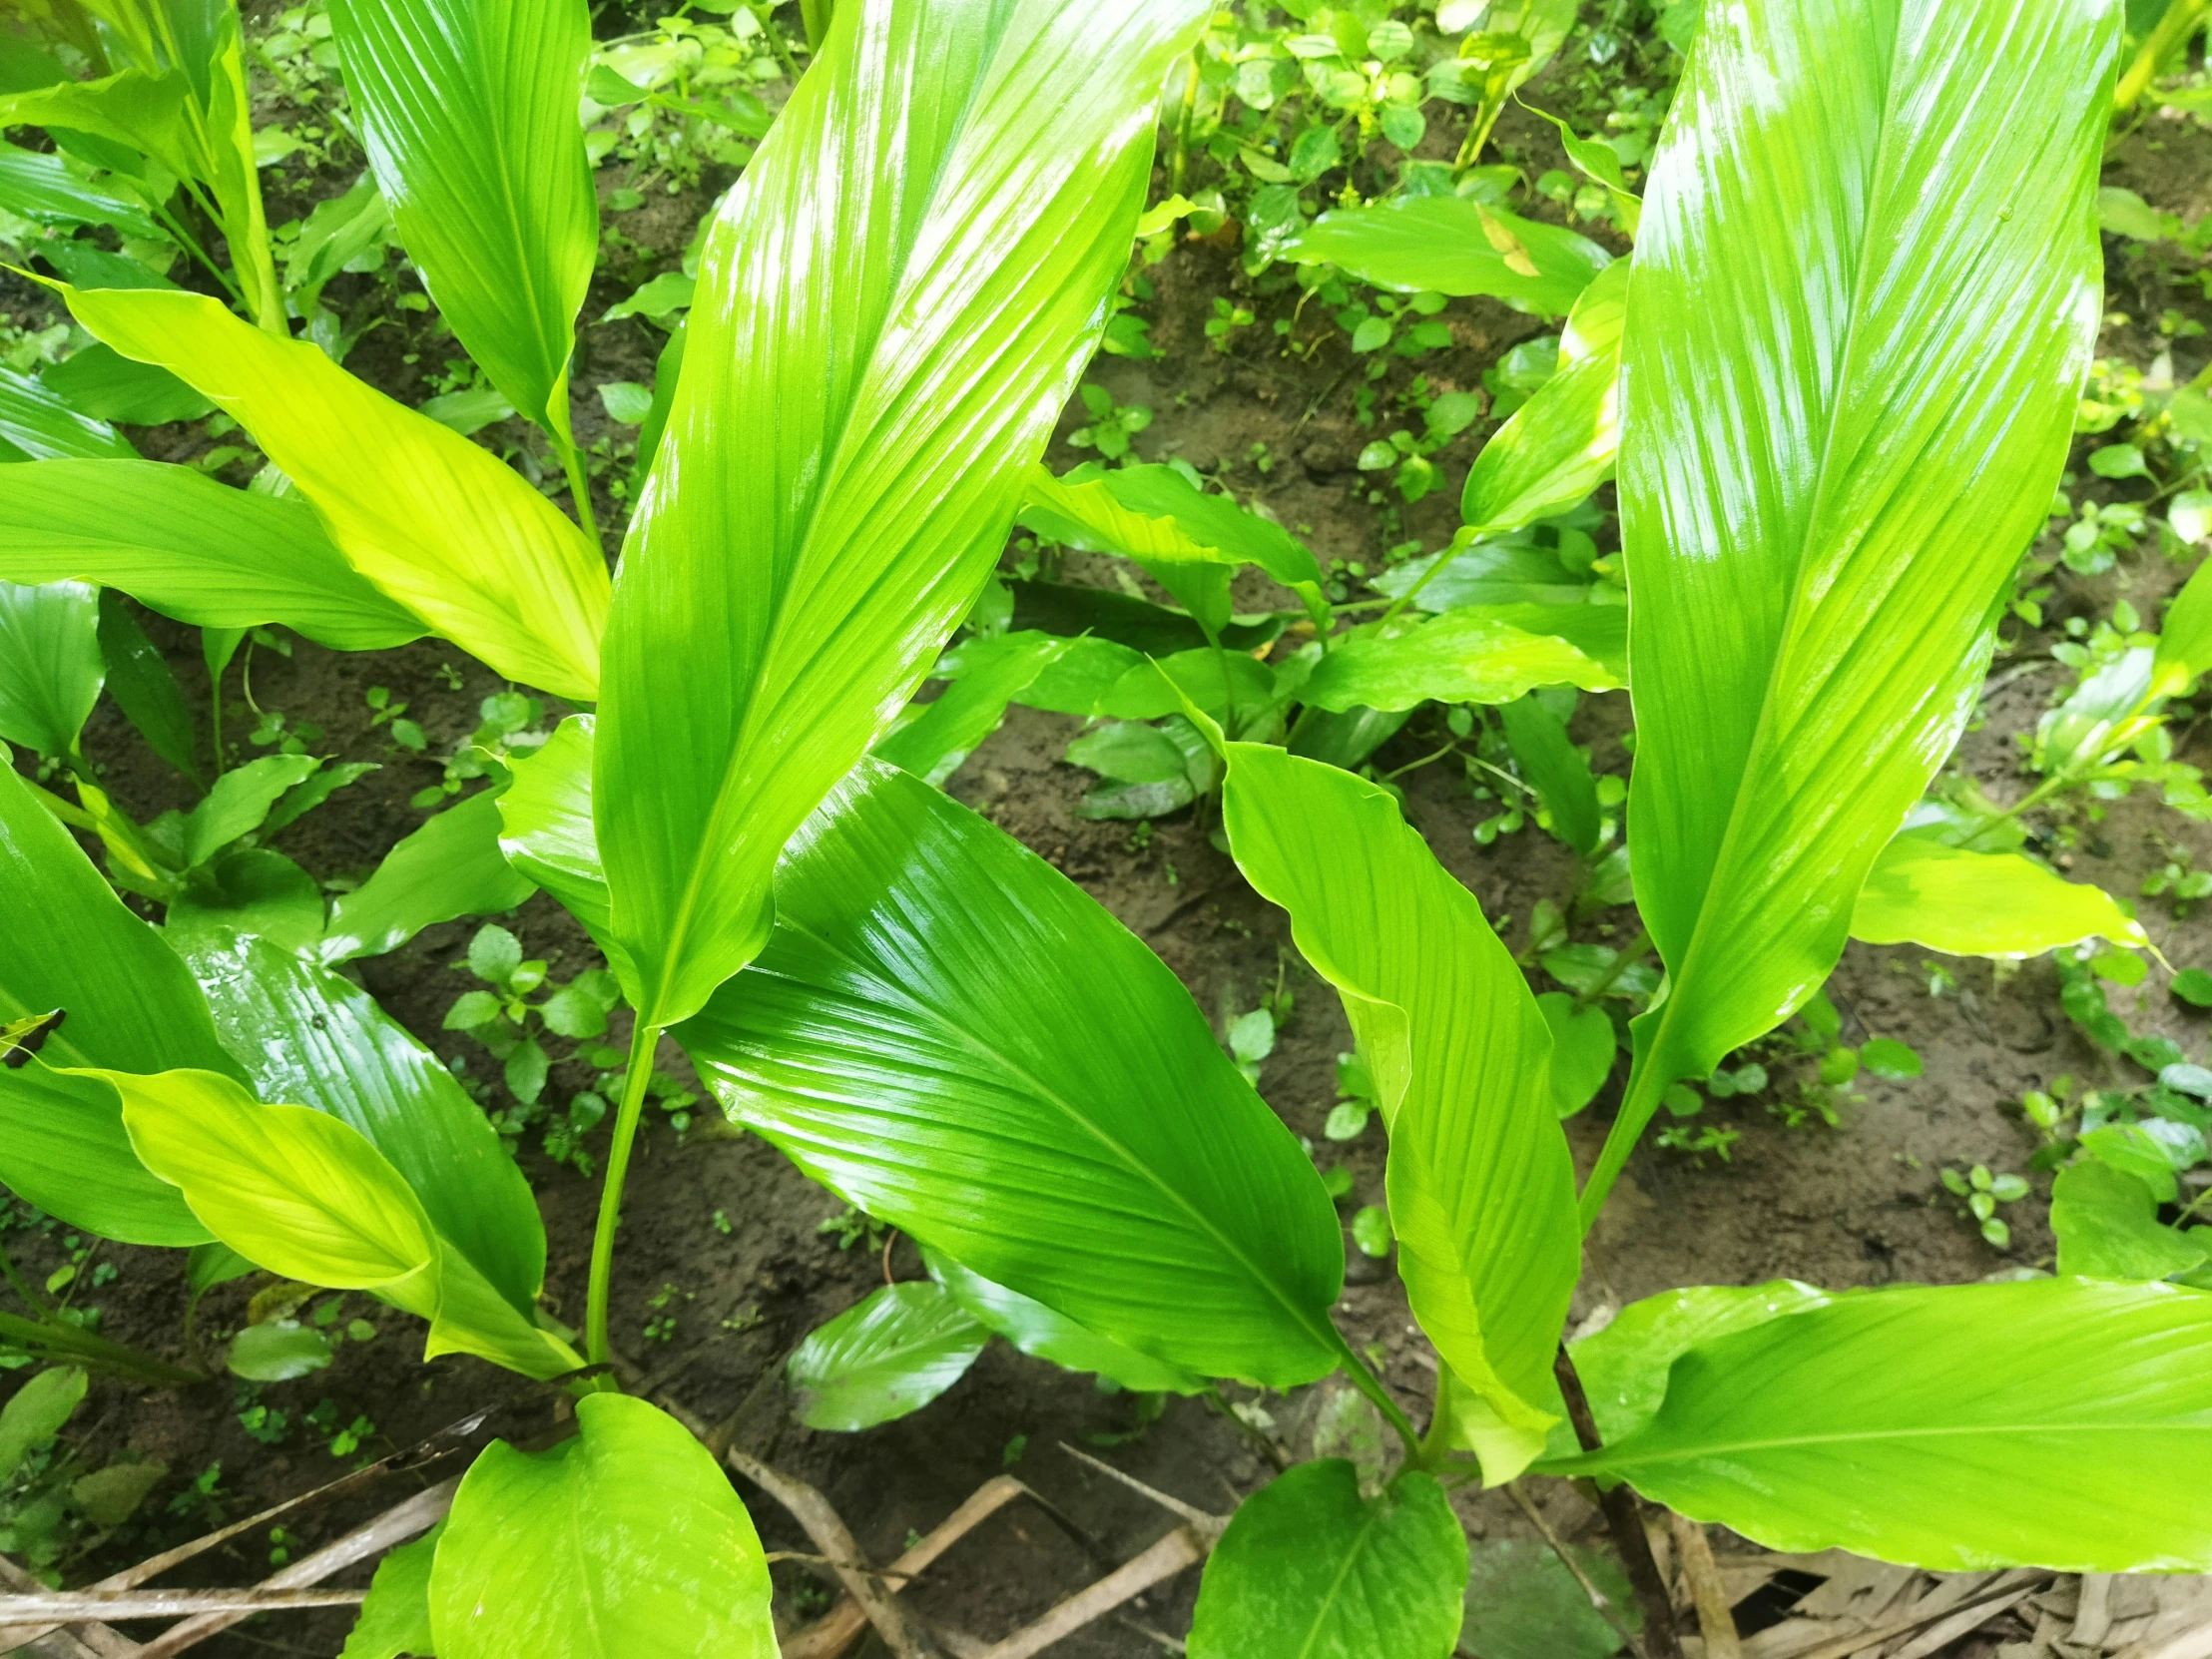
625,1540
49,666
1512,570
1453,245
291,1189
1481,1183
311,1038
101,383
395,1619
1477,654
1555,769
277,1352
58,189
945,731
1980,903
468,111
248,889
1883,1422
134,108
1600,163
1108,616
1848,390
1309,1567
189,547
1039,1332
1582,1050
443,527
2185,637
451,867
547,829
1560,445
948,1033
240,799
2108,1227
889,1355
36,1413
893,304
144,687
129,1004
37,424
1216,680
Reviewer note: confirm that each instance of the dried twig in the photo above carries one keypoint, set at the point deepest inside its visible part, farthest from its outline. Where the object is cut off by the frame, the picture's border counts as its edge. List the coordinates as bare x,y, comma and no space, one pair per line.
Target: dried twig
1867,1641
89,1641
1707,1593
833,1633
76,1606
1179,1549
1207,1526
1598,1598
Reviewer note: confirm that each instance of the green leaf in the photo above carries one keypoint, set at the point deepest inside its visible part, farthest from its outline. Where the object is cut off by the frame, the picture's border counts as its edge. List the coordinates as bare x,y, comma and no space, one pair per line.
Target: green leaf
144,687
293,1189
1309,1567
50,665
1215,679
315,1039
951,1035
451,867
239,801
37,424
1582,1050
2185,637
547,829
882,343
625,1540
1512,570
1481,1183
889,1355
1980,903
1559,445
60,191
1067,610
277,1352
108,1498
249,889
494,954
1881,1422
2194,986
945,732
2108,1227
1484,654
1555,769
129,1004
1887,1057
1830,461
141,111
1453,245
395,1619
101,383
36,1411
191,548
467,109
1129,753
1044,1335
1523,1603
436,523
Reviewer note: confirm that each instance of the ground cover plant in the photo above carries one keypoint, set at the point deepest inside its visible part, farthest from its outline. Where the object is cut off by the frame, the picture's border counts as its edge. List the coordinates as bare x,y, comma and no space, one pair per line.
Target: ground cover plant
1788,453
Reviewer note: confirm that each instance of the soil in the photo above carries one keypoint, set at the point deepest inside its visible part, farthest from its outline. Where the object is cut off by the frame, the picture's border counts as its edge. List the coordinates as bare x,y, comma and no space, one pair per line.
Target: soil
1856,1204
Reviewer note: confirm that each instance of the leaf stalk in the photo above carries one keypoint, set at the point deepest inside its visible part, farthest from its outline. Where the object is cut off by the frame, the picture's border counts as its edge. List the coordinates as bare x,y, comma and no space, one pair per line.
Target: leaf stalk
644,1038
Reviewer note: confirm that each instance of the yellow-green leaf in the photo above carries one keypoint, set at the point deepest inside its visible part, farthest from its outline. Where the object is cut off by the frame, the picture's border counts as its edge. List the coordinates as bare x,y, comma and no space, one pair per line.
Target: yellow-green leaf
1479,654
1980,903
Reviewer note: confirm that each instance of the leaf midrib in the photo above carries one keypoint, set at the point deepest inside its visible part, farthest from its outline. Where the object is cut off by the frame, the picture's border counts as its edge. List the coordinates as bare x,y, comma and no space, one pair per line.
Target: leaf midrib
1369,1520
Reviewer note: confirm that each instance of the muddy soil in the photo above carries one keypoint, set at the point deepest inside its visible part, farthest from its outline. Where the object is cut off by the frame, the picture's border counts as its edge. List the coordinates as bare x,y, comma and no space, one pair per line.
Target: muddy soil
731,1233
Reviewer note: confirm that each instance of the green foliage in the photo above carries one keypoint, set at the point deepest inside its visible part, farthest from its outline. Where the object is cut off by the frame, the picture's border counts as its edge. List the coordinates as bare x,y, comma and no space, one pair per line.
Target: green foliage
883,1357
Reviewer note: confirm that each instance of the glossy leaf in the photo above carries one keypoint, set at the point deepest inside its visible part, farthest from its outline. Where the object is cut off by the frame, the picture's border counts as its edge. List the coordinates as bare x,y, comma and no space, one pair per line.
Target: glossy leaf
1309,1567
1481,1187
1555,769
950,1034
58,189
547,829
468,112
626,1539
1109,616
1881,1421
310,1037
49,666
189,547
1453,245
1512,570
2107,1222
945,731
144,687
451,867
446,528
248,889
395,1619
101,383
37,424
277,1352
238,805
129,1004
1561,443
1980,903
1847,392
1476,654
883,1357
893,303
1044,1335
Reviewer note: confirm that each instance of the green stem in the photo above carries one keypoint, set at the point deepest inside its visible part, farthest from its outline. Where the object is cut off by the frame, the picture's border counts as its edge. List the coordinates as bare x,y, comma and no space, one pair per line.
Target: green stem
579,487
1230,721
766,16
1436,1446
643,1040
177,229
1371,1385
1629,954
52,1339
1425,760
1646,1085
1183,124
2172,32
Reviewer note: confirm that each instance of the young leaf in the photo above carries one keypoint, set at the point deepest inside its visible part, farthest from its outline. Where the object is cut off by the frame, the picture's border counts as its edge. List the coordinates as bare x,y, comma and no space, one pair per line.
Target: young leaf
948,1033
1482,654
1309,1567
883,1357
893,303
547,829
2108,1226
1848,390
1453,245
441,526
1037,1330
395,1619
127,1003
468,111
1980,903
182,544
38,424
144,687
622,1542
1881,1421
451,867
50,667
1481,1187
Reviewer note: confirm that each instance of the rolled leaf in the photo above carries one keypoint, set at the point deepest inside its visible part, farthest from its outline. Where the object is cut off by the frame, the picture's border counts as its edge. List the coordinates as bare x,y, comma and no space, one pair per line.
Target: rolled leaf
1865,295
1453,245
450,867
1980,903
948,1033
1483,654
468,111
50,665
441,526
893,304
883,1357
1881,1421
1481,1186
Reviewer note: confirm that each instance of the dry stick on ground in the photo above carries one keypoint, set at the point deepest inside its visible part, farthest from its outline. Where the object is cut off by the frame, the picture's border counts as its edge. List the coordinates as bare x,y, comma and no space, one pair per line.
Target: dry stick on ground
1179,1549
1707,1593
76,1606
1625,1519
87,1641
